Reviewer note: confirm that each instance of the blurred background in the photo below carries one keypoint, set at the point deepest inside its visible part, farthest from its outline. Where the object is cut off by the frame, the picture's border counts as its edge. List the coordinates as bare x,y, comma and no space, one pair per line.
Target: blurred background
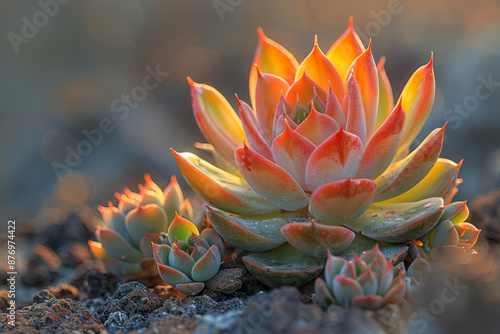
70,67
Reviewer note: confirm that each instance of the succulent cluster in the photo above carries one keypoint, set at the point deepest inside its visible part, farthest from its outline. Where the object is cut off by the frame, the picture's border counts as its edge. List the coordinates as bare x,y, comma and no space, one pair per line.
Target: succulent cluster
320,161
318,164
189,258
124,239
367,282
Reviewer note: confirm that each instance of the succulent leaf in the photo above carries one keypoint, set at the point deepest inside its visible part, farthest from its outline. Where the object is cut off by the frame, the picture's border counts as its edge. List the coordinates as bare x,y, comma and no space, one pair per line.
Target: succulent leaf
180,260
333,267
342,201
316,239
439,182
173,198
443,234
317,127
364,70
417,99
271,58
345,289
333,108
321,70
291,151
207,266
217,119
220,188
117,247
213,239
345,50
198,252
172,276
398,223
356,122
270,180
304,90
181,229
149,218
385,97
145,243
382,146
161,253
455,212
367,302
254,131
283,266
408,172
196,240
190,289
337,158
97,249
324,297
248,234
267,94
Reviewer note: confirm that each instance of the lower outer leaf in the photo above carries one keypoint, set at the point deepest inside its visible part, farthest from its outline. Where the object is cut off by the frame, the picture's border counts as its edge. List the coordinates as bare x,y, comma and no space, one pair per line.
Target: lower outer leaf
172,276
367,302
252,235
190,289
316,239
399,223
283,266
323,296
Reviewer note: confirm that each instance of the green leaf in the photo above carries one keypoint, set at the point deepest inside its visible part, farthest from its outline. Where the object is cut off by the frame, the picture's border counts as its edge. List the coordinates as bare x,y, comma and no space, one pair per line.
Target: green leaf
283,266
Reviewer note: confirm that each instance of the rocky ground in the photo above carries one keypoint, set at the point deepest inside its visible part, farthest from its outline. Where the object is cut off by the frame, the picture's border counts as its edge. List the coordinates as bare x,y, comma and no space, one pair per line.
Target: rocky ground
66,291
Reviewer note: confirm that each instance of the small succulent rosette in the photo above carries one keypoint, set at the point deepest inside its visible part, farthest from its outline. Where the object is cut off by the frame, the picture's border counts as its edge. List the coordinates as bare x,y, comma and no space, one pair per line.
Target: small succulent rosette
452,238
124,239
190,258
367,282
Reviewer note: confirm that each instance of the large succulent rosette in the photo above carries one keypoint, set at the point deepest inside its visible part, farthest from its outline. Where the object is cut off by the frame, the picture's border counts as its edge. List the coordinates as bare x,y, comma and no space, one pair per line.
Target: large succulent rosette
320,160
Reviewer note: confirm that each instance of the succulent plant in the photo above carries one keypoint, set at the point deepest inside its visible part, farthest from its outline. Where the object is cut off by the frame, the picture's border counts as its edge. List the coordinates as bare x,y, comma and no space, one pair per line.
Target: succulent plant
189,258
321,160
445,246
124,240
367,282
452,237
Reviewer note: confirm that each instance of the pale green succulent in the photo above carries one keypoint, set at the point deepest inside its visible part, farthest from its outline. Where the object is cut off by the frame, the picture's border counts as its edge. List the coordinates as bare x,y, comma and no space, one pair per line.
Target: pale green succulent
367,282
191,258
124,239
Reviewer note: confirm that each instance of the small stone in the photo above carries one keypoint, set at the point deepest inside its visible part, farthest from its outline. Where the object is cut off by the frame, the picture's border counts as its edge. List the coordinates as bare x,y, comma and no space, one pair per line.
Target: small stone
226,281
165,292
99,284
4,300
44,267
64,291
42,296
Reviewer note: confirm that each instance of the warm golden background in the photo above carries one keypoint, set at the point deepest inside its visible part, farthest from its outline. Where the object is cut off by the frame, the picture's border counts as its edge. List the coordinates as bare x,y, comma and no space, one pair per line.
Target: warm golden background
64,79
